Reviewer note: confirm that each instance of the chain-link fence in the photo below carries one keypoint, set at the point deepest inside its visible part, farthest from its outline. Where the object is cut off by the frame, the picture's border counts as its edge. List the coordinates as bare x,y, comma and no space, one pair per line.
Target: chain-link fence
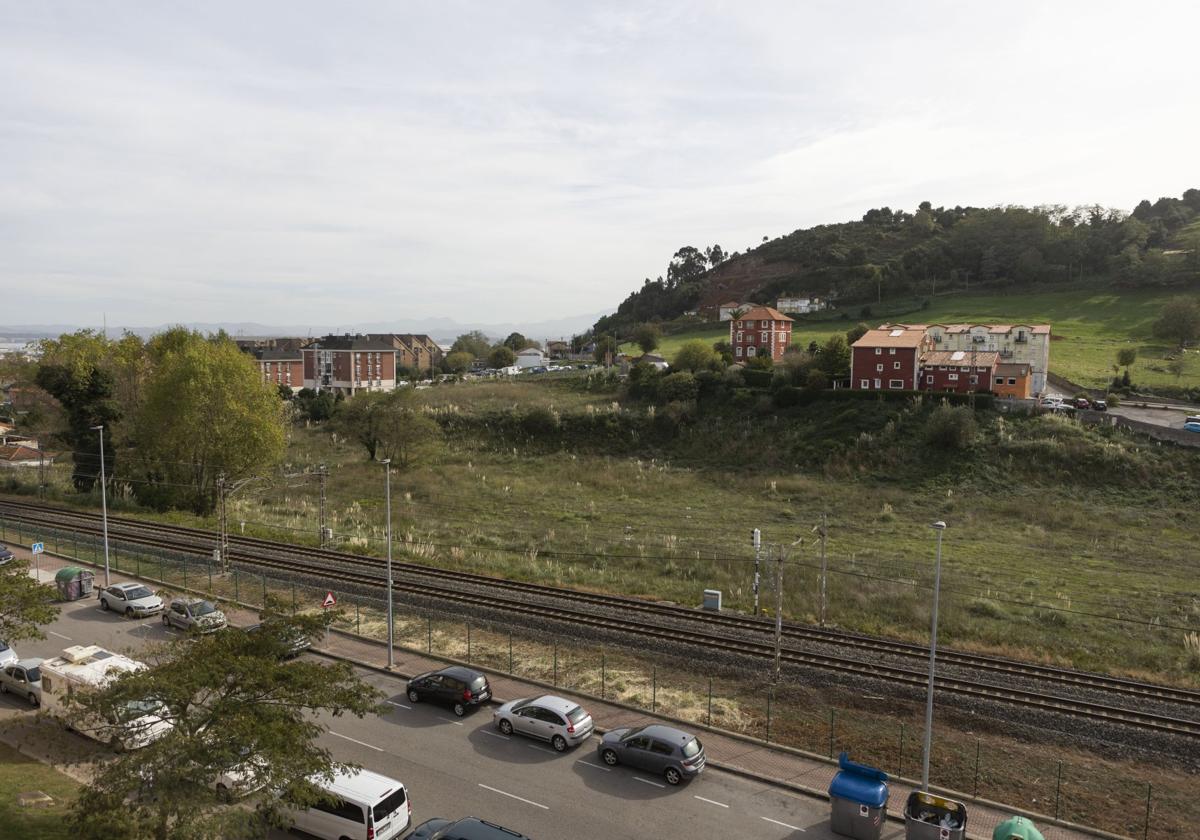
1092,791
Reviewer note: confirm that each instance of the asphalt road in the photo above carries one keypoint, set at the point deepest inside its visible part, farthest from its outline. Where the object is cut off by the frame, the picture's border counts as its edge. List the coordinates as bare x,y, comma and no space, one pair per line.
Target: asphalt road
455,768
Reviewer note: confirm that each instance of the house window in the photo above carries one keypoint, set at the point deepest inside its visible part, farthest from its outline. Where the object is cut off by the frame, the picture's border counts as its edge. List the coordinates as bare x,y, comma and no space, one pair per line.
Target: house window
878,351
739,351
766,324
953,377
999,380
739,338
974,380
895,366
895,383
891,351
1012,381
763,338
878,383
879,368
865,384
929,379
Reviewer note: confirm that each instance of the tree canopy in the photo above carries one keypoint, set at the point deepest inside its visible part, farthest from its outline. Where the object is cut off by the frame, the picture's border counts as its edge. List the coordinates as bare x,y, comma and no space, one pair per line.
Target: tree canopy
388,424
696,356
1179,321
647,336
25,604
502,356
474,342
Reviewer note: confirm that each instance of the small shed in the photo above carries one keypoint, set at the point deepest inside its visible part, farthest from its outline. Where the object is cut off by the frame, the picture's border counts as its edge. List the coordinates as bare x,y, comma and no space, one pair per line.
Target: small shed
73,583
531,357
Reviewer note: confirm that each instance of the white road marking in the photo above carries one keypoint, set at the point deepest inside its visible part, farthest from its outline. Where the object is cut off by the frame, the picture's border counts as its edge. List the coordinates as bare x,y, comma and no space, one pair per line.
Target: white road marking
356,741
785,825
495,734
541,749
448,720
710,801
514,796
399,705
597,766
60,635
648,782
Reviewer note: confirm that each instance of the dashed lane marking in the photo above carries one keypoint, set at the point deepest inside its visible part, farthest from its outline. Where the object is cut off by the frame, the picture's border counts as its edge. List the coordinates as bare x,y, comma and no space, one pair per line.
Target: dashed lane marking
648,782
356,741
495,734
711,801
449,720
597,766
59,635
398,705
514,796
541,749
785,825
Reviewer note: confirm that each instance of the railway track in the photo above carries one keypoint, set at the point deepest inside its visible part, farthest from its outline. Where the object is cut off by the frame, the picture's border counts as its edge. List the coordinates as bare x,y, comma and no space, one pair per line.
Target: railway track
633,616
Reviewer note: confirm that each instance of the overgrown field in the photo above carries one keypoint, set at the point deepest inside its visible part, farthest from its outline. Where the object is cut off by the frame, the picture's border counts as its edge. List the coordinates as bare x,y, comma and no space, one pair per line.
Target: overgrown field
1088,328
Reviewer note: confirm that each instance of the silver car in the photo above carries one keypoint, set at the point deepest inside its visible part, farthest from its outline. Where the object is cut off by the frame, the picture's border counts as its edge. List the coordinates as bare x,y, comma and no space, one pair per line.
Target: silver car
133,600
194,614
561,722
24,679
7,654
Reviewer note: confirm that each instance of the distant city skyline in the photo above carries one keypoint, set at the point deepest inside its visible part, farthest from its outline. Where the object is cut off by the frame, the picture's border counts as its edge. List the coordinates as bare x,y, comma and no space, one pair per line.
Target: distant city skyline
304,163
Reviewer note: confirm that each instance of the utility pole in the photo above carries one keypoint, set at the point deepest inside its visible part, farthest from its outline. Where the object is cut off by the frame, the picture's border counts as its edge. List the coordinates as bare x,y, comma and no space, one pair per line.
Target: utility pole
322,478
103,499
824,530
222,523
41,472
387,473
938,526
778,612
756,538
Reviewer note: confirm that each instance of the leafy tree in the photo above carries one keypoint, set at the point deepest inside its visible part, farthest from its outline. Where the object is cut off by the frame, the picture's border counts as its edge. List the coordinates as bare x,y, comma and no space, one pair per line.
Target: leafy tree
285,392
687,265
1179,321
817,380
834,357
24,603
647,336
459,361
388,424
951,427
502,356
607,348
1126,356
206,412
762,361
474,342
680,386
516,342
236,707
724,350
856,332
715,255
695,356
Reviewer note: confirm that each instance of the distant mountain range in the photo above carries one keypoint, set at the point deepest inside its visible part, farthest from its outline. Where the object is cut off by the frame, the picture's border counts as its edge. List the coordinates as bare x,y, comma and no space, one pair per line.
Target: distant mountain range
443,330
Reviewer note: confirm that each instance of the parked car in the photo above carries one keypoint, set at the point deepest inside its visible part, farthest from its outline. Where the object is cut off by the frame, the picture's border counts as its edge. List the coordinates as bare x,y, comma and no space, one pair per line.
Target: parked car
6,555
563,723
457,687
295,640
1099,405
130,599
676,754
7,654
468,828
1195,418
24,679
1048,402
1192,426
1082,403
194,614
363,806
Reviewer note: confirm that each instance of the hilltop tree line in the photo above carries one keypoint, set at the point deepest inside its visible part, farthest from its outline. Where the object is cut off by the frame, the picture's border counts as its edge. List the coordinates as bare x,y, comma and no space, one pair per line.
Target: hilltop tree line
896,252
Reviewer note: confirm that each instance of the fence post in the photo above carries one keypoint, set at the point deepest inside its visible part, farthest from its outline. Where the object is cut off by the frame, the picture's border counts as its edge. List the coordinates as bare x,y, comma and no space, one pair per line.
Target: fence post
603,677
357,620
293,597
236,595
832,720
653,689
428,634
556,663
900,763
264,583
709,721
770,696
139,558
1146,833
510,663
207,563
468,643
185,565
977,742
1057,790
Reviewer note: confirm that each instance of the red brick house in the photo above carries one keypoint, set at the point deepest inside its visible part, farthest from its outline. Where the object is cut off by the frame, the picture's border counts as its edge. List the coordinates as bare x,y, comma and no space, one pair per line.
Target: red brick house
281,367
760,328
960,371
888,359
418,353
348,364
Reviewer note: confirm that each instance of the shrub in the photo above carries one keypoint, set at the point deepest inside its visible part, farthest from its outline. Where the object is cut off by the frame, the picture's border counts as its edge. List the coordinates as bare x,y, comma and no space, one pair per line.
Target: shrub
950,427
788,396
817,380
757,378
539,421
678,387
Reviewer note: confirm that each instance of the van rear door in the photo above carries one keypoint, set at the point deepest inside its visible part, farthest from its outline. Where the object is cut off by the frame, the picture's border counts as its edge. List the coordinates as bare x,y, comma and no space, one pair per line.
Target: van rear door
390,815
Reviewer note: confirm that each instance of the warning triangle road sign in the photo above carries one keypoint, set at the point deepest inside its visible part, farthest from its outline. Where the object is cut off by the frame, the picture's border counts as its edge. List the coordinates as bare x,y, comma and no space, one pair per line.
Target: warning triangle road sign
329,600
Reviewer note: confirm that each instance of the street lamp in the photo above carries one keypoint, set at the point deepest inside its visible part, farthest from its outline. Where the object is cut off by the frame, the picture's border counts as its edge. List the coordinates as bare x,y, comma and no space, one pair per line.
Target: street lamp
938,526
387,483
103,500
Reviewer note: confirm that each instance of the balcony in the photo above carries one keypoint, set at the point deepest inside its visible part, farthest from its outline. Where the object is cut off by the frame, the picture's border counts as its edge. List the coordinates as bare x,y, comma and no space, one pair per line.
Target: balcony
1021,339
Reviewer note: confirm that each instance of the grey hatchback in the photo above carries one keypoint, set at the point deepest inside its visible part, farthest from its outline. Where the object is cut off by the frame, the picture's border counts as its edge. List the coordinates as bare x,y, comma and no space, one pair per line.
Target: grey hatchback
657,748
561,722
194,614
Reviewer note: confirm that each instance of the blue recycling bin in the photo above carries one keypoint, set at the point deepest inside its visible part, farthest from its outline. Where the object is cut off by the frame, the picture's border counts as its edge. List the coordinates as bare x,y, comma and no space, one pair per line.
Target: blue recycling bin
858,798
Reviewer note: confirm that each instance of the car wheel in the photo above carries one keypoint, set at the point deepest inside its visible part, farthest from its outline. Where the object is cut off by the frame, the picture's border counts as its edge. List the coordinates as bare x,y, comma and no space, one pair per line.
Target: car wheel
33,700
504,726
610,758
104,604
459,710
674,777
559,743
129,612
413,696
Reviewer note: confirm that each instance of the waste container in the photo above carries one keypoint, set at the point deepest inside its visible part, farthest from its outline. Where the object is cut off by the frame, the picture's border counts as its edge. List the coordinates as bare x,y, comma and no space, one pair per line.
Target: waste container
858,798
1016,828
929,817
73,583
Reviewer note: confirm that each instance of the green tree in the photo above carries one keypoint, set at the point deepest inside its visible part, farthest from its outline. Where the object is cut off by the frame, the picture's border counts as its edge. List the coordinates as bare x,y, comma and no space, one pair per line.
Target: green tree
460,361
606,348
856,332
680,386
206,412
1179,321
816,380
502,356
235,707
696,356
474,342
25,604
517,342
647,336
834,357
951,427
388,425
1126,356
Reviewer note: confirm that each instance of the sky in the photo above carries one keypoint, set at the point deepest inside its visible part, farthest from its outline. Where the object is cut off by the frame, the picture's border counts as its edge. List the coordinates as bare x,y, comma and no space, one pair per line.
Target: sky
301,162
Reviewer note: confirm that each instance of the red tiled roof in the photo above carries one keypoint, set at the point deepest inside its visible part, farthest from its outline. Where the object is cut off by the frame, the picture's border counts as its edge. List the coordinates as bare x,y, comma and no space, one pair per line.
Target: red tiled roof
763,313
894,337
20,452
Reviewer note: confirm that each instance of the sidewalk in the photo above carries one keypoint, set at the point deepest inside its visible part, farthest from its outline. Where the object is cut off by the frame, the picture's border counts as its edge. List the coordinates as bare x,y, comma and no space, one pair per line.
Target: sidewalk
749,757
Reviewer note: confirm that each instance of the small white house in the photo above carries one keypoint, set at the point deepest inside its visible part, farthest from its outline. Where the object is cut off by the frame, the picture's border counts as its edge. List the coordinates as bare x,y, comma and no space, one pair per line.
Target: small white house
726,311
798,305
531,357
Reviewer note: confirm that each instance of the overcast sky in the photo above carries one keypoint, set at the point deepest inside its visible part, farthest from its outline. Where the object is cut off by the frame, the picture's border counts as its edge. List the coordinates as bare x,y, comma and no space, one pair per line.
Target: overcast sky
301,162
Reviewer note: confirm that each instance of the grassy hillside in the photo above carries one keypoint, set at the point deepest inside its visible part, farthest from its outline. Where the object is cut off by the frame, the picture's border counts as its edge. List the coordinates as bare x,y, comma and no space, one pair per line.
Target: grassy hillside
1089,327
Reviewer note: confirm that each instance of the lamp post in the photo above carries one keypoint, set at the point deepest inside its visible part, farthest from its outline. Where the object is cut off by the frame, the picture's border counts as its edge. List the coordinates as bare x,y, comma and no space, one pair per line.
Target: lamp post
103,500
387,484
938,526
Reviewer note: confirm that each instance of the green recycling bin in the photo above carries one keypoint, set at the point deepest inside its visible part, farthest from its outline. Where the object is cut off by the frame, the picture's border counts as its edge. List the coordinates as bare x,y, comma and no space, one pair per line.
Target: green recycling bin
1016,828
73,583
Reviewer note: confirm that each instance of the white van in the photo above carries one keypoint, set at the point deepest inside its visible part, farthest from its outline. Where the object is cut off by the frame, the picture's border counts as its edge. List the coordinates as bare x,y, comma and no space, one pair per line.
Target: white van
367,806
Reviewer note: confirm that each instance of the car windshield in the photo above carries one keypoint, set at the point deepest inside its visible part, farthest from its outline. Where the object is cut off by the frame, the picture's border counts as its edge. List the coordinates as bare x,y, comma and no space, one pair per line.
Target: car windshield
691,748
577,714
521,704
138,592
203,608
632,733
3,647
135,709
33,674
479,683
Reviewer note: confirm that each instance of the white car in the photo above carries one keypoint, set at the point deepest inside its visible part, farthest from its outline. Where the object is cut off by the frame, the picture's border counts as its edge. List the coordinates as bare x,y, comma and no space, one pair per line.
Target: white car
133,600
7,654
